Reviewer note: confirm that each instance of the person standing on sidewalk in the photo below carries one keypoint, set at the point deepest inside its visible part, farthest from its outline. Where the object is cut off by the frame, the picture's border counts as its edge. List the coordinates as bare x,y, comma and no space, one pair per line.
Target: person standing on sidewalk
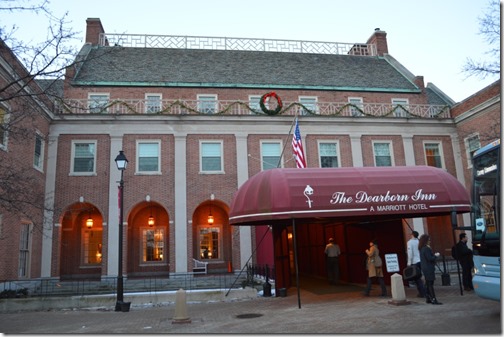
465,258
332,252
374,267
428,263
414,259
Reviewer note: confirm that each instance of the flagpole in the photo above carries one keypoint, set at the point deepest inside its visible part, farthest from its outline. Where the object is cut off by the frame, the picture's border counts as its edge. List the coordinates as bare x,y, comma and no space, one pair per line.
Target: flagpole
290,132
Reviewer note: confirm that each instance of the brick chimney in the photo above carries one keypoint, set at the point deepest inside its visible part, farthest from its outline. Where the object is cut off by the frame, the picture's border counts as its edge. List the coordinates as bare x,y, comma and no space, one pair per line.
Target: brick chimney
93,30
379,39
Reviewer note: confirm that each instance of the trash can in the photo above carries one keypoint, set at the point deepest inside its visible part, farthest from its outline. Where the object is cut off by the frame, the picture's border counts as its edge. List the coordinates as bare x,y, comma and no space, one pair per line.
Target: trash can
267,289
282,292
445,279
123,306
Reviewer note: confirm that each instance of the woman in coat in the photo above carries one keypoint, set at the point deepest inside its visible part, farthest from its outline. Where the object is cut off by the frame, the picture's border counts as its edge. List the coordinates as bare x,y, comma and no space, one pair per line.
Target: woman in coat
428,263
374,267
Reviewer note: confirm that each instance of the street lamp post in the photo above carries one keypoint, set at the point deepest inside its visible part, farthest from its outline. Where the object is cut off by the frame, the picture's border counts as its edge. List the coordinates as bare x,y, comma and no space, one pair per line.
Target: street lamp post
121,163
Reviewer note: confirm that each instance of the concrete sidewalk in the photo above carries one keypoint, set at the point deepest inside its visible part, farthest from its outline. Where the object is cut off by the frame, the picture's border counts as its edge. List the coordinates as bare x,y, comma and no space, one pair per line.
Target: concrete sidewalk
326,309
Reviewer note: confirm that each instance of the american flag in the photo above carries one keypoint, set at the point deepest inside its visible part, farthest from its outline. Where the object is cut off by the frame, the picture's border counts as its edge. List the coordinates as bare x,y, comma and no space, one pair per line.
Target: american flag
297,148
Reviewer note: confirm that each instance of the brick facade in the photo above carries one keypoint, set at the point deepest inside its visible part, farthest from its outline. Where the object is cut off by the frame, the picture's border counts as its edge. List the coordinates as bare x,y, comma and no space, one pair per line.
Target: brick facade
180,197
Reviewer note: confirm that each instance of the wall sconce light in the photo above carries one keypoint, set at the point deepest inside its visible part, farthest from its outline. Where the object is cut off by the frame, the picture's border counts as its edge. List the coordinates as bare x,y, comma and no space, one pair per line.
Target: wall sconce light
289,236
89,222
210,217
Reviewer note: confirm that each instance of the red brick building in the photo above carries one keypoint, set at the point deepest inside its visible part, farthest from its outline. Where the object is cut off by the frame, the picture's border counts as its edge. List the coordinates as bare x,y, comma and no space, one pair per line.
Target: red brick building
188,118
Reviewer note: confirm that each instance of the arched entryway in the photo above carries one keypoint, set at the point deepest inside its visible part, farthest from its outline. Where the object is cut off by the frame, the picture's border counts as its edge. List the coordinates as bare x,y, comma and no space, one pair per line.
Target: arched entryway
212,236
148,252
81,248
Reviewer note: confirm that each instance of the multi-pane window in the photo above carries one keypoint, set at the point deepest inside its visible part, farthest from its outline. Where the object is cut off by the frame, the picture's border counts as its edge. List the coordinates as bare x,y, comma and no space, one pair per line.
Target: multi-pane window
382,153
209,238
433,154
270,155
83,157
153,245
92,246
401,107
309,103
254,103
152,103
38,157
24,250
3,127
207,104
356,104
211,156
98,103
328,154
148,156
472,145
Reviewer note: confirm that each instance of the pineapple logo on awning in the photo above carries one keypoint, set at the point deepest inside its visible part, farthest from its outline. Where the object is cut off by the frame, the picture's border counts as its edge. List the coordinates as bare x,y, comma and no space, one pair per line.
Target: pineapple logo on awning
307,192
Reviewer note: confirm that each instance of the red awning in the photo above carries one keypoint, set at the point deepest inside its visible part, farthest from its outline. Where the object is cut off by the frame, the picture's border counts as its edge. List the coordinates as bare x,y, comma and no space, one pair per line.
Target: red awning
358,193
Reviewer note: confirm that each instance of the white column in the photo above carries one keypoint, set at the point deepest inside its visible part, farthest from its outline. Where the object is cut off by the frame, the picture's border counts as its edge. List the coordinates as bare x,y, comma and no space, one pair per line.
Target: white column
50,186
409,153
418,225
113,219
356,150
459,167
242,175
180,204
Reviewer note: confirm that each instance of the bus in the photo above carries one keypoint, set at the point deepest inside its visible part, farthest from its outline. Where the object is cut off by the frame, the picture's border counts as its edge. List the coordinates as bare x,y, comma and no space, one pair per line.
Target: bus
485,222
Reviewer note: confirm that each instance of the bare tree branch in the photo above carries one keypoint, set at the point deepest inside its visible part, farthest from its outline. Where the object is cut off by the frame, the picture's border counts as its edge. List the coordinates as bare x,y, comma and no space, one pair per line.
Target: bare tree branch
489,27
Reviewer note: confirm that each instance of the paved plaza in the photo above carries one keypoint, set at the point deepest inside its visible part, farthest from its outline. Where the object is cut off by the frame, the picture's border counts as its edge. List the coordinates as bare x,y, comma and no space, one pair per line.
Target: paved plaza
321,309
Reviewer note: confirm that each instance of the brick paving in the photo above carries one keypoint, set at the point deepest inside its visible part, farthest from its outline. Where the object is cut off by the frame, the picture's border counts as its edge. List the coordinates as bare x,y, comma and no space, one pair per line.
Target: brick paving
324,310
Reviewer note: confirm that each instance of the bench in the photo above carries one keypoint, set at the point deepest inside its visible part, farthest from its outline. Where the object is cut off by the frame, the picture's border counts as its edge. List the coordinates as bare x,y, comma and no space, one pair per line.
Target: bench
200,267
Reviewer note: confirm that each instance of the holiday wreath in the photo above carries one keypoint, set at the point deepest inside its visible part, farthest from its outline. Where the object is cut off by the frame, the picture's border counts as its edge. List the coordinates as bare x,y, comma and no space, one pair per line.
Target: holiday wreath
267,96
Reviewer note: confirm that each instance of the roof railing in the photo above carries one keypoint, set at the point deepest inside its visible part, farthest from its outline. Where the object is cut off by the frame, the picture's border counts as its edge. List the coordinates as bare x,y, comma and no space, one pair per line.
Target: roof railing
107,106
232,43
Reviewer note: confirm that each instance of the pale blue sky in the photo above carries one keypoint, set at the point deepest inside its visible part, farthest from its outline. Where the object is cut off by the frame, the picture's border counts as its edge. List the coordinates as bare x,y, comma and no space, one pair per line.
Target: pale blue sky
431,38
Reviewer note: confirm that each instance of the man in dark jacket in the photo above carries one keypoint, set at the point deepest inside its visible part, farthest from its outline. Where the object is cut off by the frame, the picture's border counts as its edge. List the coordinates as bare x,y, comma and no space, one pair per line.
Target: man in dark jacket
465,258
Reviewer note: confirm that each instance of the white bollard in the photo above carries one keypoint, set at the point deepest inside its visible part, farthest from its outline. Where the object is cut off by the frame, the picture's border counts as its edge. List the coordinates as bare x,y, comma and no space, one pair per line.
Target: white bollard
397,288
181,308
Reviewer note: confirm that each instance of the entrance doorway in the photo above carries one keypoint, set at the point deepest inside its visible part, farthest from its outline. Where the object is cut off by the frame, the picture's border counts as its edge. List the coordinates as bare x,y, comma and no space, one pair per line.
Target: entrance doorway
353,239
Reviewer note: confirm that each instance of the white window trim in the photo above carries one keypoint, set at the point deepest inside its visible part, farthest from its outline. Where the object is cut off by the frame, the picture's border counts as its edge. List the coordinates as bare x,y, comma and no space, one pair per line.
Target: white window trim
302,111
200,108
468,152
91,94
72,157
391,148
360,103
160,96
40,168
254,97
29,228
440,146
164,262
403,102
220,242
137,164
327,141
5,142
95,231
206,141
261,150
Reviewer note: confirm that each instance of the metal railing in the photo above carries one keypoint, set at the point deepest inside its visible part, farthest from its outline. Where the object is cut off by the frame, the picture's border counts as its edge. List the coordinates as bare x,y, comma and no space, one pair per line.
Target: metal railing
228,107
233,43
46,287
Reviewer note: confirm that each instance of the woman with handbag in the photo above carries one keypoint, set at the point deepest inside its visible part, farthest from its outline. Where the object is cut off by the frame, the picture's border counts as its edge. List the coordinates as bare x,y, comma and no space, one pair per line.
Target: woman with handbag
428,263
374,267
